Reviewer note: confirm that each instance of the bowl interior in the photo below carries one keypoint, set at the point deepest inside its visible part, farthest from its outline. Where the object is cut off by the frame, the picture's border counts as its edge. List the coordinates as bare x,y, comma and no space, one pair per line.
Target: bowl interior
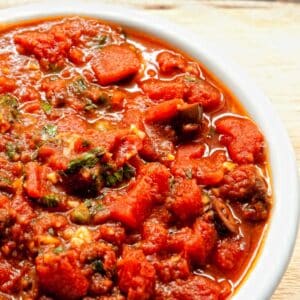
280,238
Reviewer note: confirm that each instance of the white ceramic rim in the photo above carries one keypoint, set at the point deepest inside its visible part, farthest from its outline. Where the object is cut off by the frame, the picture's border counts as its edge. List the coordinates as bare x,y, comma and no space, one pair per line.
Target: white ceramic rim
281,236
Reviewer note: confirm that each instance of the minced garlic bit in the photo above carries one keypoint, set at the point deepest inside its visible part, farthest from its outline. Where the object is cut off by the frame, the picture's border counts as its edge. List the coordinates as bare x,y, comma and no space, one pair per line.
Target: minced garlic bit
205,199
48,239
52,177
170,156
228,165
81,236
141,134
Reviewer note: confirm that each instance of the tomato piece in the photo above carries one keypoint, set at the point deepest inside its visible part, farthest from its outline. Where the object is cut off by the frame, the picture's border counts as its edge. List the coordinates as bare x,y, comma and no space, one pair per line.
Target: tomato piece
158,89
207,170
60,275
112,233
72,123
76,55
173,268
170,62
243,139
189,151
48,47
187,199
35,179
155,236
243,183
228,253
114,63
163,111
136,275
31,106
150,188
28,94
201,243
23,209
7,85
196,244
205,94
210,169
10,278
127,148
193,288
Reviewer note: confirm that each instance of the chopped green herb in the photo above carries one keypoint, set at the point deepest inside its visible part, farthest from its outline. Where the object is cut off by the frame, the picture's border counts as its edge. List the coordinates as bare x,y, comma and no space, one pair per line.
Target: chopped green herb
93,205
9,107
81,214
58,250
46,106
9,100
78,86
114,178
129,171
50,200
11,150
88,160
97,266
49,131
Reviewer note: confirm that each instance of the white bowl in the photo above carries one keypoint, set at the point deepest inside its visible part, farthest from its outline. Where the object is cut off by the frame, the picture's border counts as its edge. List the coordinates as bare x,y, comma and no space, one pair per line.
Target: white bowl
280,237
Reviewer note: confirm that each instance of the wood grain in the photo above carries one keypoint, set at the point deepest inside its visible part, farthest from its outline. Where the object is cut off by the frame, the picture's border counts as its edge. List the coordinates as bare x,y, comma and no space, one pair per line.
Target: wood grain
264,38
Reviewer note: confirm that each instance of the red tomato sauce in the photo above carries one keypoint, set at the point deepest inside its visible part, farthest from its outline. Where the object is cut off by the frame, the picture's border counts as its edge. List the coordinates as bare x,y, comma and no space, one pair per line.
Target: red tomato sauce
126,170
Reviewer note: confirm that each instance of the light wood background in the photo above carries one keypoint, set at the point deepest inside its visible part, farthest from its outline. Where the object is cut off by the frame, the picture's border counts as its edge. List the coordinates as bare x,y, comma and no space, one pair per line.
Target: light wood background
264,38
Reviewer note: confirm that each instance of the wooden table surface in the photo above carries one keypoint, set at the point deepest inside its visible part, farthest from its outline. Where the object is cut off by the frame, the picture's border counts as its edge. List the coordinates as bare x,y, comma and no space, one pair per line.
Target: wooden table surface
264,38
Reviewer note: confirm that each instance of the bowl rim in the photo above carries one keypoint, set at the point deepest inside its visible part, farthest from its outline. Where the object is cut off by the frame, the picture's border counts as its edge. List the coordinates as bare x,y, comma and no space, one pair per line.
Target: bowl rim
276,251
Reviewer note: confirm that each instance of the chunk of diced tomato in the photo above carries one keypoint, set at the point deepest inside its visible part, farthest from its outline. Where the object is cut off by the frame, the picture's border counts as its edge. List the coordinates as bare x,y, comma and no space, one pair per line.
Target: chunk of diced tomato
114,63
136,275
187,199
60,276
228,253
163,111
169,62
243,139
48,47
76,55
206,170
210,169
7,84
150,187
205,94
194,288
126,148
35,179
201,243
158,89
155,236
189,151
10,278
72,123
